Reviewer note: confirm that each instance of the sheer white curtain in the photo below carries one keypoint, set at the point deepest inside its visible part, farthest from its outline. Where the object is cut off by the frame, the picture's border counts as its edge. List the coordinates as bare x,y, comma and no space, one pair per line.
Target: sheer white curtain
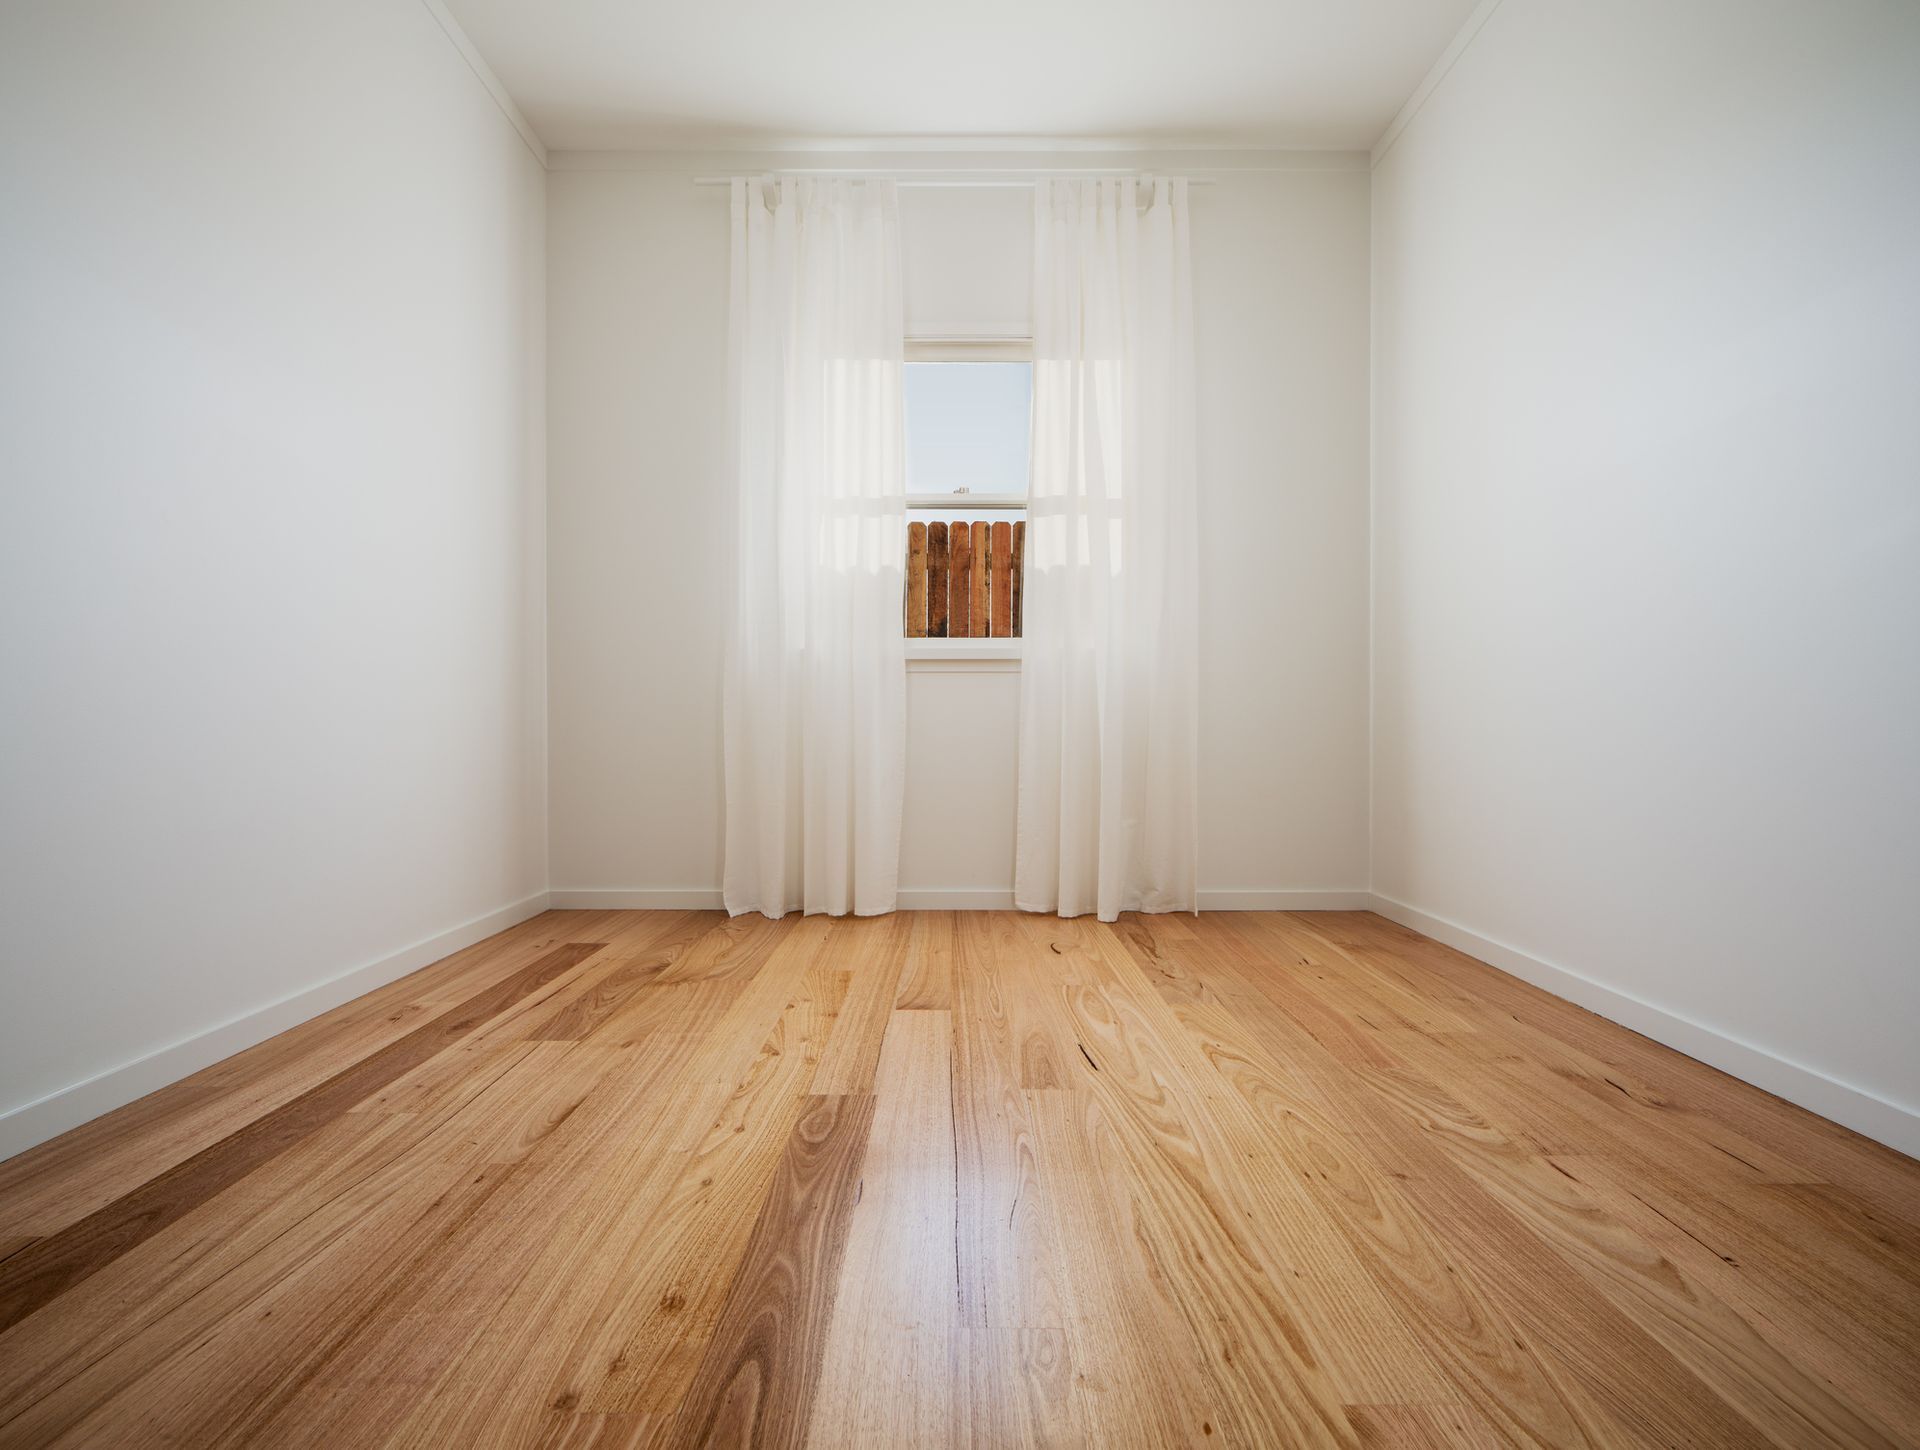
815,671
1108,689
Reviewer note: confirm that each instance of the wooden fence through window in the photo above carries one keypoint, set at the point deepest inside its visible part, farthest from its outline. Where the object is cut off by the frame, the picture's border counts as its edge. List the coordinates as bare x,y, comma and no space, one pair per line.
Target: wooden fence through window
964,580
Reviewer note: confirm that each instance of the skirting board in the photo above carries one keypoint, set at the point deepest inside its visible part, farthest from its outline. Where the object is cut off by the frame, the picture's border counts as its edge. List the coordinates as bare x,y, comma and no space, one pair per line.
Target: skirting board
1852,1107
48,1117
979,899
1285,900
664,898
1888,1122
989,899
942,899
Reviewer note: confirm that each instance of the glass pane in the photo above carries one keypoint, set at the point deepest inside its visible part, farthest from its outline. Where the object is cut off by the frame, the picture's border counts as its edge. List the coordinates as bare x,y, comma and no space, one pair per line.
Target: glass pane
967,426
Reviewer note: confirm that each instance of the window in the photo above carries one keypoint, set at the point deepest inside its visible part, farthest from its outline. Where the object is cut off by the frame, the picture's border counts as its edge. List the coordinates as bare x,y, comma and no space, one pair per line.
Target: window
968,421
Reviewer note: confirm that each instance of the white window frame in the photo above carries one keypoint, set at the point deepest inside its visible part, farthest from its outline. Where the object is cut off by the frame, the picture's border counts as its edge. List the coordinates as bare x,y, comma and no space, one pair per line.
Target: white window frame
967,655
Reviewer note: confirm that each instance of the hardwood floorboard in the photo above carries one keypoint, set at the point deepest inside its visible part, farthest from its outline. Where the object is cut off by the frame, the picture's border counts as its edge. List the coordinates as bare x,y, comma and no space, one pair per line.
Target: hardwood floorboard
889,1373
1139,1374
1477,1346
70,1176
643,1343
1008,1263
618,1179
209,1269
872,951
1370,1355
617,975
1844,1328
926,976
481,1305
755,1383
1820,1151
48,1268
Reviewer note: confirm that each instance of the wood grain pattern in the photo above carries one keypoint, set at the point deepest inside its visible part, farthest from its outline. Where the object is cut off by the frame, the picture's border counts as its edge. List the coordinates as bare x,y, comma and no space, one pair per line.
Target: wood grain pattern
981,608
70,1176
640,1179
756,1381
888,1374
937,580
1000,581
916,580
1019,576
960,567
48,1268
871,950
926,977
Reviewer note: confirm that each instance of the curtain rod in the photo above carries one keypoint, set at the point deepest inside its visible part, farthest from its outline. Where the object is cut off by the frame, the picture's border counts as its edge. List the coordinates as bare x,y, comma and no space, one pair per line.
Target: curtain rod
996,178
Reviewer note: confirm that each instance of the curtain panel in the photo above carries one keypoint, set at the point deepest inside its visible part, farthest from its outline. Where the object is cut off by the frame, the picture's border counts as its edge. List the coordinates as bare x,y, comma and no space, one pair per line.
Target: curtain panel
815,674
1107,818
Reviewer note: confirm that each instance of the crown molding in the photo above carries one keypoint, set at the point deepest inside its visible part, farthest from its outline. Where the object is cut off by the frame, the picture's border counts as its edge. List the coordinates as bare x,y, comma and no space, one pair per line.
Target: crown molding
1187,161
1456,48
731,141
484,73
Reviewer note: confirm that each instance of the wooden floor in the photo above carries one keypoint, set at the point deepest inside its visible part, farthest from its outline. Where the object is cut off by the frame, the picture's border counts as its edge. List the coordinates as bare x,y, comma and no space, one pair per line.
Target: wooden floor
634,1178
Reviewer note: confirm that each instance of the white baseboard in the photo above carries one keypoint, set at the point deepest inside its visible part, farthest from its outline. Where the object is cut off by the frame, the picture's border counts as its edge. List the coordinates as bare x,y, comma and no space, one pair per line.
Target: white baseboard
1887,1122
690,897
985,898
666,898
1285,900
48,1117
687,898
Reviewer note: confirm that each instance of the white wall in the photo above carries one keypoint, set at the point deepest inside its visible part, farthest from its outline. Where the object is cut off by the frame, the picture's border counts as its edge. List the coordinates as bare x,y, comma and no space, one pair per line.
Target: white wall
271,543
639,561
1647,512
273,569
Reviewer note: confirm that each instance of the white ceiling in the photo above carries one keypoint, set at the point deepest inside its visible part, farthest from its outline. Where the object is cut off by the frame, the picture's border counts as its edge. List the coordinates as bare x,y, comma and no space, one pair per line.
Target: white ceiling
608,74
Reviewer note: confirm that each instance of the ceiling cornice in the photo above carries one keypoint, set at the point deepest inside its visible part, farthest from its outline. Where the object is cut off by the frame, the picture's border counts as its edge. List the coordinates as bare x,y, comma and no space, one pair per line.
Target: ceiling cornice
1456,48
484,72
984,156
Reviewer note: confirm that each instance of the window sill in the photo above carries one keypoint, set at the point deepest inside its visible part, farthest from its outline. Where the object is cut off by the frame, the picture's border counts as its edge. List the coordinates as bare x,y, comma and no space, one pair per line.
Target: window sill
964,655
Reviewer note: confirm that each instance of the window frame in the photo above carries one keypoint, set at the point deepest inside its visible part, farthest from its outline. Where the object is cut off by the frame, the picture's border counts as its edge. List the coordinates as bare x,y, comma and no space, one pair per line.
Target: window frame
976,655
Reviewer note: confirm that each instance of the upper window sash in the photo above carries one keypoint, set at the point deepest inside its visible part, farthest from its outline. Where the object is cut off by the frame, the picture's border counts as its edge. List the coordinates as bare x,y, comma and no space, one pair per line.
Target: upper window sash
969,349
